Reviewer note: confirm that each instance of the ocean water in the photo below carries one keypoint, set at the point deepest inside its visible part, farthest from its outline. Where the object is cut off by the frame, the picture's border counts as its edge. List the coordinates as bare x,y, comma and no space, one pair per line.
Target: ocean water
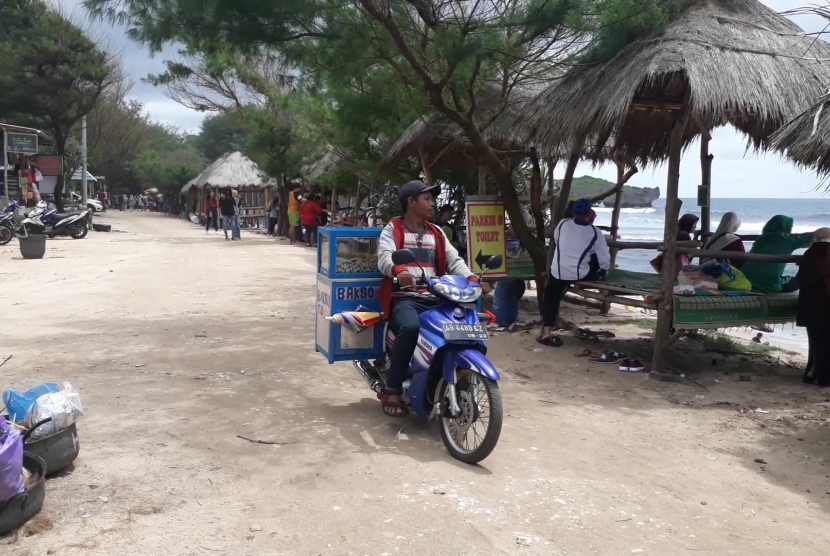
647,224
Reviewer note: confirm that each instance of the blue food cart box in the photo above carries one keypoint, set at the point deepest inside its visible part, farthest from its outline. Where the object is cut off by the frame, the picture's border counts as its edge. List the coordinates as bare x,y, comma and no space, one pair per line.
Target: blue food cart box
344,252
348,279
340,342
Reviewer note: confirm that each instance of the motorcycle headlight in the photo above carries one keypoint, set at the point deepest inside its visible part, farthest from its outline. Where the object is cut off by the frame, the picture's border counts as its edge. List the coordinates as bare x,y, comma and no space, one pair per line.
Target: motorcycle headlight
466,295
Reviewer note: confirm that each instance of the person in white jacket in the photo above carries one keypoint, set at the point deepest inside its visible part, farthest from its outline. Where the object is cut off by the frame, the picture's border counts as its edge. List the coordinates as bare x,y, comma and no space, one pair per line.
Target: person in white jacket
581,253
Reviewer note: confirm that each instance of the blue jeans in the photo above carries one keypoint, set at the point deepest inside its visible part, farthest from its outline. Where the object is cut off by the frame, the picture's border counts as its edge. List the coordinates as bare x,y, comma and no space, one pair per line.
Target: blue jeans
233,223
406,325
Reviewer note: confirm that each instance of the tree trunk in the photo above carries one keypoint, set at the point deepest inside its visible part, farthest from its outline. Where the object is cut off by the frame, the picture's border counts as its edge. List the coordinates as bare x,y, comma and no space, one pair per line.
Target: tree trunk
282,195
562,201
536,196
60,185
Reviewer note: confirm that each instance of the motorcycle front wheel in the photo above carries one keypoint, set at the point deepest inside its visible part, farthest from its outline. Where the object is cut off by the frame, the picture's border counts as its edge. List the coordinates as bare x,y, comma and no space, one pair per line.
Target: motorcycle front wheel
472,435
5,235
79,232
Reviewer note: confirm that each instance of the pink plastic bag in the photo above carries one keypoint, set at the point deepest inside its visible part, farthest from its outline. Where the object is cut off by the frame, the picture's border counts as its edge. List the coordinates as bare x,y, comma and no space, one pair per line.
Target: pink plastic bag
11,462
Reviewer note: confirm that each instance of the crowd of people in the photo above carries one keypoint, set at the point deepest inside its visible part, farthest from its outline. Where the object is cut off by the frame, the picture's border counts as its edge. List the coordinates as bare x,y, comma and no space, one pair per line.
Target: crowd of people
229,207
306,213
150,202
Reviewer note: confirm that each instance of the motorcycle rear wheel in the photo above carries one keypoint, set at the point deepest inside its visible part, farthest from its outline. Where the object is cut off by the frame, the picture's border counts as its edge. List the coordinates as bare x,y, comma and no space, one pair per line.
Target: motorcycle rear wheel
5,235
480,402
80,232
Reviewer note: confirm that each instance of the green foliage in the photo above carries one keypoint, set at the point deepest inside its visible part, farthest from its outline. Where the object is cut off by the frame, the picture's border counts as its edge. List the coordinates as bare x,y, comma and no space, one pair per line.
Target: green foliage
51,74
618,23
222,133
167,170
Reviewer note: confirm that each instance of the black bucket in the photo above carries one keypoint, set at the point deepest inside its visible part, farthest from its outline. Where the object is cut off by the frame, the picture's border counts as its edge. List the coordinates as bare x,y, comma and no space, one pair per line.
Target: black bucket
57,450
20,508
32,247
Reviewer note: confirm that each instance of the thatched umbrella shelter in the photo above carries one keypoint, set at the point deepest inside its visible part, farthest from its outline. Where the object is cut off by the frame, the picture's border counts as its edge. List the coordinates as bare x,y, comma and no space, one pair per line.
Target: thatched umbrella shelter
718,62
237,171
436,141
806,138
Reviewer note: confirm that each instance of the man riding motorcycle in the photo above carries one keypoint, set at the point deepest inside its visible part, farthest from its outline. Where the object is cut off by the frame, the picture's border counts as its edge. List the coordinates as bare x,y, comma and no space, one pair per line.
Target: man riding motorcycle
401,303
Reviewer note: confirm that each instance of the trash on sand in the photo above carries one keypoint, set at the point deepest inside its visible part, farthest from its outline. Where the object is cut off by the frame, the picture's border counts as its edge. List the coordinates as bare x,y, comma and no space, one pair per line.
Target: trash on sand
759,410
11,462
699,396
63,408
524,540
255,527
759,460
103,499
336,508
19,403
439,490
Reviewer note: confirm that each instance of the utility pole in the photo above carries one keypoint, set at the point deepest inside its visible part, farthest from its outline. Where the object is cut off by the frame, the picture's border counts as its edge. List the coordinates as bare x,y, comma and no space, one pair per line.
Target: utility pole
84,192
6,165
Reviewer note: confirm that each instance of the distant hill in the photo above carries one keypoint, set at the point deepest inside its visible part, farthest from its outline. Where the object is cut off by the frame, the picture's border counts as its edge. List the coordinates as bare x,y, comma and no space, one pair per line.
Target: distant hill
633,197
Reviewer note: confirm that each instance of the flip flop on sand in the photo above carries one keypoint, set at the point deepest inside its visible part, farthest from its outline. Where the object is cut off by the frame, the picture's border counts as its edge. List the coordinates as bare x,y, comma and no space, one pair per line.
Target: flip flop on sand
587,353
550,341
607,357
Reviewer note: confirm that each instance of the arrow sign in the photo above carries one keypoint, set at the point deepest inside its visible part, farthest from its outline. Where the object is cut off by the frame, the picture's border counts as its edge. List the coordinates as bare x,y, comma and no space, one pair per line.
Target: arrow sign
485,235
481,260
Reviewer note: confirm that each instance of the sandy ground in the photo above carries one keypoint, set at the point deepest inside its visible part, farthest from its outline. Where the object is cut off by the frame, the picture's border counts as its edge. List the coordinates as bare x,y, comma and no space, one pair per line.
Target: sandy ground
180,341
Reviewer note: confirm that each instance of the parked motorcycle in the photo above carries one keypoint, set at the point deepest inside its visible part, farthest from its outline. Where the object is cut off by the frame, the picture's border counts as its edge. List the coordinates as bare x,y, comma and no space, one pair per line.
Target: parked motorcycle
44,220
7,223
449,377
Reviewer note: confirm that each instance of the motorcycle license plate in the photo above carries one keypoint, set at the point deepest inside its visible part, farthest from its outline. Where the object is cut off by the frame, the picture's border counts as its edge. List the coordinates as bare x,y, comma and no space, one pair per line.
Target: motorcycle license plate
464,331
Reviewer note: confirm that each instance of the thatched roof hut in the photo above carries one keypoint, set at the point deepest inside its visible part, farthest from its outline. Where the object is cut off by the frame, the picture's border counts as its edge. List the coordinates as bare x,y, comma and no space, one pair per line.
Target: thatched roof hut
736,61
234,170
323,161
445,142
192,183
806,138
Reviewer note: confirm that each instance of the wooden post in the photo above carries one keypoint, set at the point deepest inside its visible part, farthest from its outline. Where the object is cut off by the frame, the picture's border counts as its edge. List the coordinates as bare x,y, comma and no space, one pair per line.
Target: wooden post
705,195
482,180
673,204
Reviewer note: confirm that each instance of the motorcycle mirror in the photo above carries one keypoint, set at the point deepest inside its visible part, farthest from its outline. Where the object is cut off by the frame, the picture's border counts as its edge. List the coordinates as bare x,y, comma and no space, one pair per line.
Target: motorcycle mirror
494,262
403,256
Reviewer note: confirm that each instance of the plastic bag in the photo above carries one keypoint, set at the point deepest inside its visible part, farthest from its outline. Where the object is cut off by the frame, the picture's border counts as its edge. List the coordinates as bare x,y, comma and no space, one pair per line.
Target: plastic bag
11,462
63,407
736,282
19,404
693,276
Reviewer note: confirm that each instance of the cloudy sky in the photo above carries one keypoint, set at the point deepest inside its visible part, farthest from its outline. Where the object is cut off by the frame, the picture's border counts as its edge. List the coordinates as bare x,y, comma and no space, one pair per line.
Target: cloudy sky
734,174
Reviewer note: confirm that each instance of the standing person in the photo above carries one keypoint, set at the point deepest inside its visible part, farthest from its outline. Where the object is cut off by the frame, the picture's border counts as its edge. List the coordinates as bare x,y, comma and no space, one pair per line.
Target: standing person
227,207
102,197
310,213
123,202
814,308
577,241
444,216
776,239
273,210
436,256
294,208
211,212
237,214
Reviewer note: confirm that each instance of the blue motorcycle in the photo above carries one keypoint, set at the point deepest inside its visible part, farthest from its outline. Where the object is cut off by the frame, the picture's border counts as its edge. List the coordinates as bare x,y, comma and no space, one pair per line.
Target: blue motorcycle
449,377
